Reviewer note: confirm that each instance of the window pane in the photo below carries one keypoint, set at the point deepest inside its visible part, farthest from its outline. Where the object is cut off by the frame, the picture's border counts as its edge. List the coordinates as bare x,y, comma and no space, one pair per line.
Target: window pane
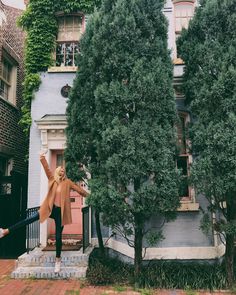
1,88
4,89
69,23
70,28
69,54
78,21
6,70
76,53
61,26
66,54
181,132
60,160
183,14
60,50
3,166
182,164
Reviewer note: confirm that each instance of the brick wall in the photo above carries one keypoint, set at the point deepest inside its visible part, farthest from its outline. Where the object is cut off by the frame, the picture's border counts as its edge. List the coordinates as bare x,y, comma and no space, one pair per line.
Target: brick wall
13,143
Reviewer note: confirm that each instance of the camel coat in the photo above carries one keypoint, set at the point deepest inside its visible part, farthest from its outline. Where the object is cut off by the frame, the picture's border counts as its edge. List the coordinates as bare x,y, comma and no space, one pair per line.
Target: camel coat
67,185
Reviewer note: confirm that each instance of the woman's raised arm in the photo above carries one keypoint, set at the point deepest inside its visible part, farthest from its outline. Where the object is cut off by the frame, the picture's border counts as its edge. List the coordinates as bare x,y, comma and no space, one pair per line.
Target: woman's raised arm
46,166
79,189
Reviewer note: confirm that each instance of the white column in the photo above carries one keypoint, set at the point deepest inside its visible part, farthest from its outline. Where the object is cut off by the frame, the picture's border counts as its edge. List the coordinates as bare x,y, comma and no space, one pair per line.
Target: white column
43,189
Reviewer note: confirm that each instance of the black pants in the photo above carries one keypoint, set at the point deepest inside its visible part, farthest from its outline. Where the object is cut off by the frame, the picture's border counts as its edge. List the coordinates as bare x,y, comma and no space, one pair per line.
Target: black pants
24,222
56,215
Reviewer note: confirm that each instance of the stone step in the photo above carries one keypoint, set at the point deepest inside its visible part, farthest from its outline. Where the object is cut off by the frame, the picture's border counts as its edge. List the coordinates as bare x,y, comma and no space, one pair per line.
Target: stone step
48,273
40,264
39,258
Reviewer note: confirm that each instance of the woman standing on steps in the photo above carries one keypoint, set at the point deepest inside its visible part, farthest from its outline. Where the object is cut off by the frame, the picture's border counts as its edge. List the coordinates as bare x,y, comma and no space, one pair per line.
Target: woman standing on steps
56,205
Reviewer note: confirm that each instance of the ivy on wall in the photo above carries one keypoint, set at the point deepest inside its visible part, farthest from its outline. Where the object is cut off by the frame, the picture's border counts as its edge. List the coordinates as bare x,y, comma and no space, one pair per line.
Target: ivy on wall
39,21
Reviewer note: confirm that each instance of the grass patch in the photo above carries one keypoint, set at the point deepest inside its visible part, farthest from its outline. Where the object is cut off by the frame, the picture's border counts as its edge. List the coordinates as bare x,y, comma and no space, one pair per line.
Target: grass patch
189,291
145,291
119,288
72,292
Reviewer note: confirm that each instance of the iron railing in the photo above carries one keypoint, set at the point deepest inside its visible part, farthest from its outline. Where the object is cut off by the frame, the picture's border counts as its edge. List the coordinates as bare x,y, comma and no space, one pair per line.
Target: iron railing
32,231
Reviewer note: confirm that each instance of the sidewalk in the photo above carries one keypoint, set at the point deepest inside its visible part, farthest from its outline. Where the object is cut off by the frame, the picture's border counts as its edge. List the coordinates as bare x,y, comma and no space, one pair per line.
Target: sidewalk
10,286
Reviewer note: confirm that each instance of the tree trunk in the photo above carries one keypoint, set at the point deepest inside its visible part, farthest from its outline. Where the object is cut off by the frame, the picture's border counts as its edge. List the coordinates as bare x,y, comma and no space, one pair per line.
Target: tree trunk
99,234
138,247
229,251
229,259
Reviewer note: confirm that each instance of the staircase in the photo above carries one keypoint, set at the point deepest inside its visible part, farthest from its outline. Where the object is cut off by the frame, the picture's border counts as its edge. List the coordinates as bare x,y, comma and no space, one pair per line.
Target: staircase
39,264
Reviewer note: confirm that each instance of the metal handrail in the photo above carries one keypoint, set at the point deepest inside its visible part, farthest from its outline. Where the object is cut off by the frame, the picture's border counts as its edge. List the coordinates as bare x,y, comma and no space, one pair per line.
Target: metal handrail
32,231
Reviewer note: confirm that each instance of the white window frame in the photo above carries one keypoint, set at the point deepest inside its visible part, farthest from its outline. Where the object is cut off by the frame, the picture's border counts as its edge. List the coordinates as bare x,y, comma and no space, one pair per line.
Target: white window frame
69,40
9,83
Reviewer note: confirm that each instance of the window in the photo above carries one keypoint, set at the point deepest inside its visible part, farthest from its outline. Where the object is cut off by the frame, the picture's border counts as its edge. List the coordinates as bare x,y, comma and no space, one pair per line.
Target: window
183,12
70,29
60,160
8,80
6,165
183,160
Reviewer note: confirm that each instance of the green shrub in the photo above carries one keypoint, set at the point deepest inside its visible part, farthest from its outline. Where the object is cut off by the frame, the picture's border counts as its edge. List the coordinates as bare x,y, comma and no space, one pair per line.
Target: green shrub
158,274
99,274
108,271
178,275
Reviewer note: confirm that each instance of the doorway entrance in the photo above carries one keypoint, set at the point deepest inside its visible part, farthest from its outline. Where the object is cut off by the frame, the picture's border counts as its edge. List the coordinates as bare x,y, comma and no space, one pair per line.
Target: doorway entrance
72,233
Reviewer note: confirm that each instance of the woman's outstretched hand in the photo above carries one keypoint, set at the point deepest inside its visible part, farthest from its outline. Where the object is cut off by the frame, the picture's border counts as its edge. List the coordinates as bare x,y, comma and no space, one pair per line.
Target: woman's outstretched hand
85,187
42,153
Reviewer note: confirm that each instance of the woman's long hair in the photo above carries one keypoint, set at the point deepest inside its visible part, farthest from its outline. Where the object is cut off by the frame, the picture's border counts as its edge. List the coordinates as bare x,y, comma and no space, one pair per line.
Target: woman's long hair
57,176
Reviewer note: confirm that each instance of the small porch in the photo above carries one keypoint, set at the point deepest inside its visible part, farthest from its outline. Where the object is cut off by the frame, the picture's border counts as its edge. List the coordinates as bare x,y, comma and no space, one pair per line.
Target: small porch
39,263
53,140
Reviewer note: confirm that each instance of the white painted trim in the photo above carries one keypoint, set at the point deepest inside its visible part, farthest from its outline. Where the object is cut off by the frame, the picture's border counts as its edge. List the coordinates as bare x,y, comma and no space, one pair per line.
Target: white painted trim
62,69
94,241
43,193
173,253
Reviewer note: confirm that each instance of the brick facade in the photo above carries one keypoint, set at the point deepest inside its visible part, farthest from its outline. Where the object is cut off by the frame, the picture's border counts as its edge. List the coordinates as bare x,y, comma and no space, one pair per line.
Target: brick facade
13,143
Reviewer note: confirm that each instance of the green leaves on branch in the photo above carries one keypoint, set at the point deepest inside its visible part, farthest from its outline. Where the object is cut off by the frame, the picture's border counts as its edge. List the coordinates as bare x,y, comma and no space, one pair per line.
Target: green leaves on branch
208,50
39,22
122,112
31,84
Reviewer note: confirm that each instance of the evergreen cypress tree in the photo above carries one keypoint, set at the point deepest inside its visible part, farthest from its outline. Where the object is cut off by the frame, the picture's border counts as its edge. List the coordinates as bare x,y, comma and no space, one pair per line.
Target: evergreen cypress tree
208,49
122,116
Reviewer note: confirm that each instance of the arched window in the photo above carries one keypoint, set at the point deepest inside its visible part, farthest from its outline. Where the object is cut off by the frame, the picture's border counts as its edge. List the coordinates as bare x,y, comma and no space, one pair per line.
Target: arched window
184,11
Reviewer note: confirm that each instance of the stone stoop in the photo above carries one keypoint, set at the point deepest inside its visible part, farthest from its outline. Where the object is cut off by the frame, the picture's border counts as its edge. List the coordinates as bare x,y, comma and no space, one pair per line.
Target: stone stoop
40,264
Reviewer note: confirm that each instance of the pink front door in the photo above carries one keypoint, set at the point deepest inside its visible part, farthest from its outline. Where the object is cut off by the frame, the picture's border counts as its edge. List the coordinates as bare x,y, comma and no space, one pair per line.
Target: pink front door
73,230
